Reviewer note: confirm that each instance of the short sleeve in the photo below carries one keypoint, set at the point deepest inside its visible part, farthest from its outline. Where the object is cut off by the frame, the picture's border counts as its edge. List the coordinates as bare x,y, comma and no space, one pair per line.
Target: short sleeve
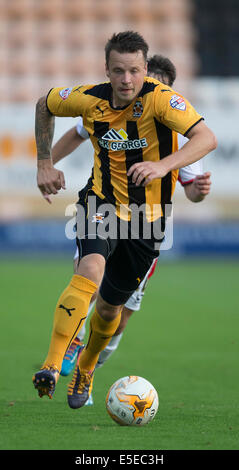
174,111
66,102
188,173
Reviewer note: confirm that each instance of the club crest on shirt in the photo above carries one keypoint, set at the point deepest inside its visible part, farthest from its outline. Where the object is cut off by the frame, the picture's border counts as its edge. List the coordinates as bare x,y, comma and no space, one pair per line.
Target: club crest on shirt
65,93
98,218
138,109
177,102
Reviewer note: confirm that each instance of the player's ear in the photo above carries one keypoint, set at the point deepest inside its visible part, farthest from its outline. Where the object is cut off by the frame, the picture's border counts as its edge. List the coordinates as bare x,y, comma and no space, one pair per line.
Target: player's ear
146,68
107,70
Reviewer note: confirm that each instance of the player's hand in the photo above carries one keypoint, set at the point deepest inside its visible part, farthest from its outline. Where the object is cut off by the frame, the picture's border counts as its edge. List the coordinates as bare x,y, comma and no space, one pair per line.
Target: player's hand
49,179
144,172
202,183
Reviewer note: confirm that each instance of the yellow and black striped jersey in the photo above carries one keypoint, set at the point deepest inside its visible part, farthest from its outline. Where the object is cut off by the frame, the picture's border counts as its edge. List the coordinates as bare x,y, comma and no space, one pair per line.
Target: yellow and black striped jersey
145,130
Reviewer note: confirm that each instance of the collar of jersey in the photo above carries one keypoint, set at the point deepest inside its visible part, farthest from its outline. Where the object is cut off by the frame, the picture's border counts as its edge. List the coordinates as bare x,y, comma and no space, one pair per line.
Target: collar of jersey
119,108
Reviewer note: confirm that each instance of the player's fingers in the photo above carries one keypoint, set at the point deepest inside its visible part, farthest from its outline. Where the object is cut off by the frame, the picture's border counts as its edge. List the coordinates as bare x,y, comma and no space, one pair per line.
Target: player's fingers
141,177
203,185
204,177
200,183
148,180
51,188
62,180
44,189
46,197
135,175
203,189
201,180
133,168
45,194
56,184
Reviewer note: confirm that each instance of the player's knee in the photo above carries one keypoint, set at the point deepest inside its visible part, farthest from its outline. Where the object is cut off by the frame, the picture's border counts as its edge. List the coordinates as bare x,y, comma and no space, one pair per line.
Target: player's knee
107,311
93,298
92,267
125,315
76,262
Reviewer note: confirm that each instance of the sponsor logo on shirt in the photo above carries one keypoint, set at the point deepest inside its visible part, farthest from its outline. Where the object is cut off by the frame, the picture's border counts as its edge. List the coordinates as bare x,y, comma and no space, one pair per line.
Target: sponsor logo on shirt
118,140
65,93
177,102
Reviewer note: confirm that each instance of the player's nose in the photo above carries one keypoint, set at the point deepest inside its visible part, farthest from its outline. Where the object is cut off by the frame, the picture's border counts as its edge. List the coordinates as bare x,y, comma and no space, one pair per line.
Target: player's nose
126,78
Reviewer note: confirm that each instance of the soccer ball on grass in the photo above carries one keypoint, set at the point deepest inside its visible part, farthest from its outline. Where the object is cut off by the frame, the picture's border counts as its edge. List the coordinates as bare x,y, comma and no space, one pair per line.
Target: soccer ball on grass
132,400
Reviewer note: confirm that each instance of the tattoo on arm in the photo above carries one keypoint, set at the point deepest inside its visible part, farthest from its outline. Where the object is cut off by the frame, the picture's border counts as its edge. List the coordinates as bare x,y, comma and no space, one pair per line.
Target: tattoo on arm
44,130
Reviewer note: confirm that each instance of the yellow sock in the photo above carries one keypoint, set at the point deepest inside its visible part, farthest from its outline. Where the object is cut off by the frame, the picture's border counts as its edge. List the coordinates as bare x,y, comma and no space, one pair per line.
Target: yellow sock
70,314
101,332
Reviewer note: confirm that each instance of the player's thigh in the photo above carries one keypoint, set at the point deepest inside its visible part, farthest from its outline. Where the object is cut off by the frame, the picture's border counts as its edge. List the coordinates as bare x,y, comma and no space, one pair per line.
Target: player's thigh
135,300
92,249
88,220
92,267
124,271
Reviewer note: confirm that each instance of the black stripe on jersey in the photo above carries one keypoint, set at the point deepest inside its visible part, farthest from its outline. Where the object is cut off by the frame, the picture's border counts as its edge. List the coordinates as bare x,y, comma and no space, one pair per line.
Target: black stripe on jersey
100,129
147,88
136,193
165,139
46,101
103,91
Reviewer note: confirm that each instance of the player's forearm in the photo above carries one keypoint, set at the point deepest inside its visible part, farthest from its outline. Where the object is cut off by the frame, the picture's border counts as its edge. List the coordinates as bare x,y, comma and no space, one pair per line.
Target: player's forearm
66,144
193,194
201,142
44,131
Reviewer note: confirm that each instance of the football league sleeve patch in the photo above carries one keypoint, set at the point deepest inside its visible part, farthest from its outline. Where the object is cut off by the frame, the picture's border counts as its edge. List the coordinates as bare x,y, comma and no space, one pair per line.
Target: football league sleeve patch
175,111
64,102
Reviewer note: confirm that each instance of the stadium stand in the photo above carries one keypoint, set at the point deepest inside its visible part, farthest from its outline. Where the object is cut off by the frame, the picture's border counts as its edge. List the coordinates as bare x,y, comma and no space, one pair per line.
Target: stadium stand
46,43
42,40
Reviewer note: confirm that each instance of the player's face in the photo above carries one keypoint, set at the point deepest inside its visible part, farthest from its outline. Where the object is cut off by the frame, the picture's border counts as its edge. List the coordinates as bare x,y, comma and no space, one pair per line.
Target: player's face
126,73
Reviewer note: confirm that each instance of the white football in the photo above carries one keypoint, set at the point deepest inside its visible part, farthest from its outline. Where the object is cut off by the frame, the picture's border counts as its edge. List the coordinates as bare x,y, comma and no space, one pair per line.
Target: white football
131,401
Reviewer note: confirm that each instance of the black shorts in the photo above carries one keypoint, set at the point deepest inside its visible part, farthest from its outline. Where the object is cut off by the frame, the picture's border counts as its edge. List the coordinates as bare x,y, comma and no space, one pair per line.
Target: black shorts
129,253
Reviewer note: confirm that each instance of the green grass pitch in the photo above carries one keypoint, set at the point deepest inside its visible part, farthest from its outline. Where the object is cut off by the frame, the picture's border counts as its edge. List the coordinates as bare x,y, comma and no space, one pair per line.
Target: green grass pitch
184,340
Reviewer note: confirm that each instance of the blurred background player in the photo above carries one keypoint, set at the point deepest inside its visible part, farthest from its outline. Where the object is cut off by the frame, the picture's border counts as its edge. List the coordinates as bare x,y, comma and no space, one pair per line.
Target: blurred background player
196,186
